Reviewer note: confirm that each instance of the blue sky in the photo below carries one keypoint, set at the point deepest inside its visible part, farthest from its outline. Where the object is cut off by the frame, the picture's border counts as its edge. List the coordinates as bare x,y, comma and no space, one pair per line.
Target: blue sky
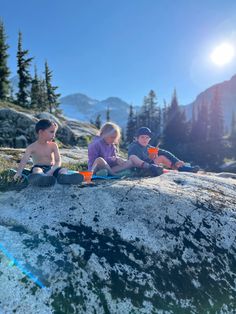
124,48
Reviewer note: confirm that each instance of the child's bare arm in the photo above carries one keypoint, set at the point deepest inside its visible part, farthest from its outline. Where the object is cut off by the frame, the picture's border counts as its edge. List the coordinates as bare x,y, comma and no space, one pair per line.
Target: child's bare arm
23,162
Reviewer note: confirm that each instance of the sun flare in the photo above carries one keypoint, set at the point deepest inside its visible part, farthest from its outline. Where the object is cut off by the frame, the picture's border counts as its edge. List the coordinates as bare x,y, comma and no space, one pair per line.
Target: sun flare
223,54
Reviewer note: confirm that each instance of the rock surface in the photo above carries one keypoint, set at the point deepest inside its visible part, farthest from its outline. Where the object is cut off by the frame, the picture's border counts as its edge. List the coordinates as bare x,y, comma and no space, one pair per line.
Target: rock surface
151,245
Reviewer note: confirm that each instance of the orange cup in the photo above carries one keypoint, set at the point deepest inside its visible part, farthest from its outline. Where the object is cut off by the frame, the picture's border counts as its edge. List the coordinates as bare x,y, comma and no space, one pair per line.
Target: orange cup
152,152
87,175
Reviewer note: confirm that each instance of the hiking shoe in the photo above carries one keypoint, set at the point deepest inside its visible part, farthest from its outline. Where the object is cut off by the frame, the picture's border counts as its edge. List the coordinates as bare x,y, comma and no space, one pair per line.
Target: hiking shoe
186,168
102,173
75,178
37,179
155,170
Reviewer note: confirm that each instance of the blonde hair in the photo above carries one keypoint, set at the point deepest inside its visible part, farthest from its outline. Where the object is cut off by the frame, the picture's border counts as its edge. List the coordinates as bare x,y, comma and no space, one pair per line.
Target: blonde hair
110,128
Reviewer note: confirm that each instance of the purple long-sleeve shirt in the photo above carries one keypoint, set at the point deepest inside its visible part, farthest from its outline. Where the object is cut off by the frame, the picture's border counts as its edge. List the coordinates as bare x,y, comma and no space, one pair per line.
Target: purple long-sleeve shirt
99,148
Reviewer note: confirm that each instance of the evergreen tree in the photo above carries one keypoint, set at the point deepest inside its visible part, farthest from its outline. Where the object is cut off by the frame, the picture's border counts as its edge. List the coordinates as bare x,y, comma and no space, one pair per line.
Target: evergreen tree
232,138
4,70
143,116
23,65
216,122
122,143
163,116
193,127
52,97
42,96
154,115
198,147
12,96
108,114
215,137
175,133
150,116
98,121
202,123
38,93
131,125
35,90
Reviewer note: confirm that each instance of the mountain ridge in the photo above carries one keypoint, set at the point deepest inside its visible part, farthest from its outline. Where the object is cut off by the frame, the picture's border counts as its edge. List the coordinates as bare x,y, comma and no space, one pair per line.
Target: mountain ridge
82,107
227,97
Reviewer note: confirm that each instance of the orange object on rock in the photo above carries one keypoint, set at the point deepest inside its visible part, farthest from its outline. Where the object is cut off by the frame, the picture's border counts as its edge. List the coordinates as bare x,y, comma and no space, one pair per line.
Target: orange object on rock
87,175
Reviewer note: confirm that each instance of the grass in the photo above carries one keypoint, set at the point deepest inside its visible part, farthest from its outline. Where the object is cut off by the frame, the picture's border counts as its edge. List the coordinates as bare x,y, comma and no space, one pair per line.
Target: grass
6,104
7,182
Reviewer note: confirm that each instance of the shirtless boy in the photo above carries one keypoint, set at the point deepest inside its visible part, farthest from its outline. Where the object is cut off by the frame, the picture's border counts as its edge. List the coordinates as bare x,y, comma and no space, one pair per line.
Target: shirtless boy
46,159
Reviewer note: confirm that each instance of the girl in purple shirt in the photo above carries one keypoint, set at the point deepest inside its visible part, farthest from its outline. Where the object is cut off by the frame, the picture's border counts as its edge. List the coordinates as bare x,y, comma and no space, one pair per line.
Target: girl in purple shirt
102,152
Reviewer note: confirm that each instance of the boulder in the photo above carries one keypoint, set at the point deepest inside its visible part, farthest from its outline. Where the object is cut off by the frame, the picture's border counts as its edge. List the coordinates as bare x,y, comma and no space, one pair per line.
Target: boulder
151,245
49,116
14,124
21,141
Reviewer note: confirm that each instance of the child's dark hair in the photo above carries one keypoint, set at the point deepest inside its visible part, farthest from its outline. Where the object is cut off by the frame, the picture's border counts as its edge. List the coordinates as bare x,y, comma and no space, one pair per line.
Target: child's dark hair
44,124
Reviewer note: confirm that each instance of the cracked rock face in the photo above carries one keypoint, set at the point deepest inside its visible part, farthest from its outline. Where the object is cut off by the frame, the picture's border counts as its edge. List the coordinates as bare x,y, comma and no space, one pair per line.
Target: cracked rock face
155,245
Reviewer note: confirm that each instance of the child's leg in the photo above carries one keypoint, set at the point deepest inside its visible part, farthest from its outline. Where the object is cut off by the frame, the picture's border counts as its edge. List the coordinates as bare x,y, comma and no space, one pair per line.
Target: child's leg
63,177
99,164
168,159
37,170
63,171
137,162
126,165
163,160
38,178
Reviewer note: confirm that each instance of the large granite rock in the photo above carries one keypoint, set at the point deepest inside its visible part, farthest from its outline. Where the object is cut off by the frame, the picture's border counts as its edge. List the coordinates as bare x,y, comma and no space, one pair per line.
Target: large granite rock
14,124
17,129
154,245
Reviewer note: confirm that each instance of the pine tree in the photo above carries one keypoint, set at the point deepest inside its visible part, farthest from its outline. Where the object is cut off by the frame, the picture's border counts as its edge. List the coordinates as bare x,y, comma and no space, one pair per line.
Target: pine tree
131,125
143,116
215,137
98,121
193,126
12,96
198,147
42,96
163,116
216,122
23,65
202,123
176,131
108,114
232,137
154,114
35,90
52,97
4,70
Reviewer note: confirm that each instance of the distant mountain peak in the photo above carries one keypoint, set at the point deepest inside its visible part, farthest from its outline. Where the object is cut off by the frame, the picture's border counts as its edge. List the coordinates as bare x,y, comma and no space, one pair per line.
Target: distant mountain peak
81,107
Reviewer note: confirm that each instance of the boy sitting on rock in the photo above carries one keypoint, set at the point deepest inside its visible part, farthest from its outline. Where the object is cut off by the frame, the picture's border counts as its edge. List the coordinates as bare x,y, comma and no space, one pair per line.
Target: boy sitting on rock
138,154
46,159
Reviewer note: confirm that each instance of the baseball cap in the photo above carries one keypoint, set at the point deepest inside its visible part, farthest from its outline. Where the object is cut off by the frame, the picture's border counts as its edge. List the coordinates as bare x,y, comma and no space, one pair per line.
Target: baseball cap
144,131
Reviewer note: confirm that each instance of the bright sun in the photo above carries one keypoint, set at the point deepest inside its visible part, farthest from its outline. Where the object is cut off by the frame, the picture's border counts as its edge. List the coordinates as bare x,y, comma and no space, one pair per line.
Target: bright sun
223,54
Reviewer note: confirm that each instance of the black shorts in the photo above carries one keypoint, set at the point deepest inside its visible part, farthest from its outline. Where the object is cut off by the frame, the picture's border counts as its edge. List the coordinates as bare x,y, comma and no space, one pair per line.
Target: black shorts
46,168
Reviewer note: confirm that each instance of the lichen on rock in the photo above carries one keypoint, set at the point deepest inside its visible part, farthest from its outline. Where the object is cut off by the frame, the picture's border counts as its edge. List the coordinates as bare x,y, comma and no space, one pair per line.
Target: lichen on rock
151,245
